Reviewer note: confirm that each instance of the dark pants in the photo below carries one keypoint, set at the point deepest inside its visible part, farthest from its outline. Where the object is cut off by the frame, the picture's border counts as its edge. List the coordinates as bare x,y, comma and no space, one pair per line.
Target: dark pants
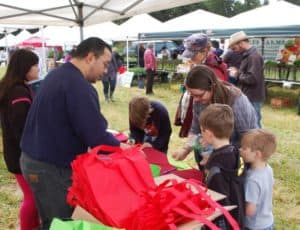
150,80
257,106
49,185
109,88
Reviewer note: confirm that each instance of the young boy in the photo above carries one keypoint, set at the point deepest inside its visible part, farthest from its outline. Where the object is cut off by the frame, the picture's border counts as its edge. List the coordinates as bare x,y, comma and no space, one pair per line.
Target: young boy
257,146
224,167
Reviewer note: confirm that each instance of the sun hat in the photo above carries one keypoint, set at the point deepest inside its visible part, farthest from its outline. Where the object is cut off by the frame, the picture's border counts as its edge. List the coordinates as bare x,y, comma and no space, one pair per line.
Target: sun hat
194,43
237,37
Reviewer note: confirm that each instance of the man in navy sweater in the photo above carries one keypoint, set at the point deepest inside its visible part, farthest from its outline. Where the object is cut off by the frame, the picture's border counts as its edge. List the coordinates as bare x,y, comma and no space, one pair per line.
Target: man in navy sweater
64,121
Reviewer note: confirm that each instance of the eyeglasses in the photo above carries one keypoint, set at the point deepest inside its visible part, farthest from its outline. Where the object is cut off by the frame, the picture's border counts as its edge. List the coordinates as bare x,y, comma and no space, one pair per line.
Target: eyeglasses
199,96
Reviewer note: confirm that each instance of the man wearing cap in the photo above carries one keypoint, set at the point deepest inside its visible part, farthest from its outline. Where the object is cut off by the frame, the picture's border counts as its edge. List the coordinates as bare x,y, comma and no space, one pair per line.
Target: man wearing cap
250,75
150,67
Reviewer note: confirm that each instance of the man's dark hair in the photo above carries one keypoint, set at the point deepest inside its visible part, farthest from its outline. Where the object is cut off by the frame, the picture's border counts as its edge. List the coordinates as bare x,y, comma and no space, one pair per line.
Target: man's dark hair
215,44
92,44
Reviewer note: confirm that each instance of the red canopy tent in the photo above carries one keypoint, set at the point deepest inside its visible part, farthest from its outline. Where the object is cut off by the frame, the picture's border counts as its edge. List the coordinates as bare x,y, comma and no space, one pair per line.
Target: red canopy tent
33,42
37,42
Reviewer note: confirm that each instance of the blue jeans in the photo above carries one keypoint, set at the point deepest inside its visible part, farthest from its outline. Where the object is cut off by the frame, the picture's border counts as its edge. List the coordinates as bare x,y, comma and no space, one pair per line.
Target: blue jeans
109,88
50,186
257,107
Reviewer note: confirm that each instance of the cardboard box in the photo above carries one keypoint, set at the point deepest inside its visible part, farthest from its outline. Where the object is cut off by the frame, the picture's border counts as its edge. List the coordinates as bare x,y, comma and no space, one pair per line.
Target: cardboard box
280,102
215,195
81,214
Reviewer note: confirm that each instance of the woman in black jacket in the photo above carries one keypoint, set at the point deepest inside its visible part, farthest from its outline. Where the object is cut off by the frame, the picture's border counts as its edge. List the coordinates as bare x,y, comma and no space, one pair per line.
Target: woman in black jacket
15,101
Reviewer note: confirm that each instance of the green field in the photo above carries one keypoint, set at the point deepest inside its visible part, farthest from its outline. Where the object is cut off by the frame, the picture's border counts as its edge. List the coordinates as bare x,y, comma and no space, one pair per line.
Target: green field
285,123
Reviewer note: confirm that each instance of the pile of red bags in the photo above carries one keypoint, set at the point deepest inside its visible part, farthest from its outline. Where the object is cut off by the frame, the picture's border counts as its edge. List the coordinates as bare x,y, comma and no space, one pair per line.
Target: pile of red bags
119,190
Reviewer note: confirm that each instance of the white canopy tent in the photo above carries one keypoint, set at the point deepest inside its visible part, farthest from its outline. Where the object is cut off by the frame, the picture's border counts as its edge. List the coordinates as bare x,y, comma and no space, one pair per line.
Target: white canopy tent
9,40
279,13
106,30
196,20
78,13
22,36
130,29
138,24
59,35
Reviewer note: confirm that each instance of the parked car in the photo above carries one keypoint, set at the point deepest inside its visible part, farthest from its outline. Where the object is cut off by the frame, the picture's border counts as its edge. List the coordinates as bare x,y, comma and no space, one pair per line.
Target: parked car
158,44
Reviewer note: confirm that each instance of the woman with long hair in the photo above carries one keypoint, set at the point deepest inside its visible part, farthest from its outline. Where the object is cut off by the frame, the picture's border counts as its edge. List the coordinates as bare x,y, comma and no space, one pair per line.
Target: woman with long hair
205,88
15,101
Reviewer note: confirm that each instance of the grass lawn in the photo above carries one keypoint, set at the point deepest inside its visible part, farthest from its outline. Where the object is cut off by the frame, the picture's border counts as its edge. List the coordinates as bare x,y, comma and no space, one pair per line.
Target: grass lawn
286,162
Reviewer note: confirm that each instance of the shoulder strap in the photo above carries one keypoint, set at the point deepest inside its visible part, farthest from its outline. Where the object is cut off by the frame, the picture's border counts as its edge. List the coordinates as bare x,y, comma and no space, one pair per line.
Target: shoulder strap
212,171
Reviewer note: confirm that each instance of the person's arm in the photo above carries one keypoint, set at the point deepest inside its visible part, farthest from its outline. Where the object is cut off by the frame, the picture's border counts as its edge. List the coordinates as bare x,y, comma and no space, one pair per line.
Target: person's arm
250,209
197,109
251,75
244,116
182,153
136,133
85,116
162,122
19,106
252,194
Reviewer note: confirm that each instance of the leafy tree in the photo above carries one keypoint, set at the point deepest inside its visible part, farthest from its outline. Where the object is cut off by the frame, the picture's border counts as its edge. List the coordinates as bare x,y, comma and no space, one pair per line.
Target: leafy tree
226,8
248,5
296,2
221,7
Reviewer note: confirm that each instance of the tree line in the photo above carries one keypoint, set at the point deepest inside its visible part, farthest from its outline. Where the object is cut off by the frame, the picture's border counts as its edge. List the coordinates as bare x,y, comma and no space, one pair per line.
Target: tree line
227,8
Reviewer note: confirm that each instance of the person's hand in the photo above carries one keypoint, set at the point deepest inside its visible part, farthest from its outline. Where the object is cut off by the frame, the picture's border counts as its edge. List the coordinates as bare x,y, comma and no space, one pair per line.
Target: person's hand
203,143
146,145
130,141
125,146
233,72
181,154
205,156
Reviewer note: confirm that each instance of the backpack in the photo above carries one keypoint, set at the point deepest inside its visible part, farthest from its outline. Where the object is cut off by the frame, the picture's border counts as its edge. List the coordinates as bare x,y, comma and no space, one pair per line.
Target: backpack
236,180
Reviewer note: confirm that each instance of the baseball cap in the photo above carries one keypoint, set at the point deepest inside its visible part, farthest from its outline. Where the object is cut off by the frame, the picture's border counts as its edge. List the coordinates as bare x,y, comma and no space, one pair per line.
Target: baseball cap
193,44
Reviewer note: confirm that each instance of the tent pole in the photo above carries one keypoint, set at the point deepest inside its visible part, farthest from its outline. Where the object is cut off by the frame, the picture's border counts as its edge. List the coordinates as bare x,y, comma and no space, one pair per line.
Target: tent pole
263,47
80,20
127,54
81,32
6,46
44,60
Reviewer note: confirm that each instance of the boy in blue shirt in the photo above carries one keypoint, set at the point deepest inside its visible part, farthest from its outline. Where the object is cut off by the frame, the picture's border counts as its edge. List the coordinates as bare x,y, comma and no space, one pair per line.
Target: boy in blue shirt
257,146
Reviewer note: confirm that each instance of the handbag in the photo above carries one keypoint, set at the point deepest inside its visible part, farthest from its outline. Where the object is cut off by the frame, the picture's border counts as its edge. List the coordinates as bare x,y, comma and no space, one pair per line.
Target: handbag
177,119
173,203
184,114
109,186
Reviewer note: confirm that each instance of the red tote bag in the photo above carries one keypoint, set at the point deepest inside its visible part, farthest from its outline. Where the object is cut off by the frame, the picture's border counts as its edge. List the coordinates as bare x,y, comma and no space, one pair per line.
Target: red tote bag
173,203
109,186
